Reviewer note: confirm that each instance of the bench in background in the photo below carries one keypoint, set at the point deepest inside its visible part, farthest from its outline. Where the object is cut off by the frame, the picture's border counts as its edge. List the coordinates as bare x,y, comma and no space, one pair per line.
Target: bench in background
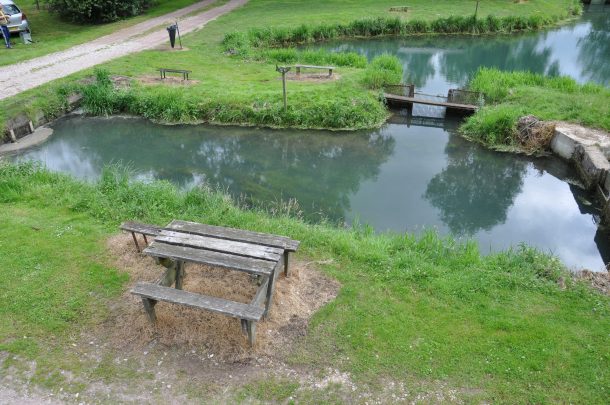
185,73
329,68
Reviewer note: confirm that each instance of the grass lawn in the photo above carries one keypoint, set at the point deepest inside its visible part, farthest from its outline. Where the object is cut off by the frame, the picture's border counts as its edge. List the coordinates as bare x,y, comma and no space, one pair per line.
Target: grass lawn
422,311
52,34
231,89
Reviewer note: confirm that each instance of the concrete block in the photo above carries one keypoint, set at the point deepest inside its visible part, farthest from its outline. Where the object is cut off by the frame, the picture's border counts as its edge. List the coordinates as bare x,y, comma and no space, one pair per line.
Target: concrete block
563,145
592,165
568,136
606,184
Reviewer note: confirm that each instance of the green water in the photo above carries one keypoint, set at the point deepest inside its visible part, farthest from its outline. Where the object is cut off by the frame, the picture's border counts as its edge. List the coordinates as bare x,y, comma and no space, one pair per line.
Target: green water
399,178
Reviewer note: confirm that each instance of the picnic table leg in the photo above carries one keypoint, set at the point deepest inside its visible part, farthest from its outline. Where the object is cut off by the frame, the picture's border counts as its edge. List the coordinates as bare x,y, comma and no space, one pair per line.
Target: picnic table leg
286,272
149,306
251,332
135,240
271,288
179,274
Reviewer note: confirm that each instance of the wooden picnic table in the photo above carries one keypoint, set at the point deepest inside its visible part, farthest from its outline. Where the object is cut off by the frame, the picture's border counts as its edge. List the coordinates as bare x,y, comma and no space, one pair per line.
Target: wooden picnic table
260,254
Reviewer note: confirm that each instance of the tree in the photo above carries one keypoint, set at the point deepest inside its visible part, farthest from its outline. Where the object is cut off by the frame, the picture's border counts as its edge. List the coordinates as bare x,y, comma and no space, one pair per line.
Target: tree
97,11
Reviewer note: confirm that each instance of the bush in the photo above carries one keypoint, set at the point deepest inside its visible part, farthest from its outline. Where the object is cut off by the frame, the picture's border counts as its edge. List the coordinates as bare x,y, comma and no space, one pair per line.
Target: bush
384,69
493,126
91,11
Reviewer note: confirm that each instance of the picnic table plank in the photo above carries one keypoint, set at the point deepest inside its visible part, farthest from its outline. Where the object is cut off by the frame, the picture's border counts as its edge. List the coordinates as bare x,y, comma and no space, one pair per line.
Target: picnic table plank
209,257
220,245
241,235
214,304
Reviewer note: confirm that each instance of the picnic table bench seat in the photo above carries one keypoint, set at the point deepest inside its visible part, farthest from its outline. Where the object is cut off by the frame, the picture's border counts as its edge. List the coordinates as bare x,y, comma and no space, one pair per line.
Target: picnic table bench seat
152,293
143,229
329,68
185,73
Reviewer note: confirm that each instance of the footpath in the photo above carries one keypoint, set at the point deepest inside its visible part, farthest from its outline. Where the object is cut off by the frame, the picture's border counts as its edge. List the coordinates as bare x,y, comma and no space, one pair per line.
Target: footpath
26,75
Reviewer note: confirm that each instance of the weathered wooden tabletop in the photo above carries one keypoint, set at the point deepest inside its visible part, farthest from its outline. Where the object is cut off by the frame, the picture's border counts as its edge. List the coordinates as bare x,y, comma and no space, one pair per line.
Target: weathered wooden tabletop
235,249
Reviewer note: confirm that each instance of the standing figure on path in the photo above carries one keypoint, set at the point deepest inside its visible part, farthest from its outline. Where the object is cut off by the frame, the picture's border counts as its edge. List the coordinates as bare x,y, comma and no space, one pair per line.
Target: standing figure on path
4,20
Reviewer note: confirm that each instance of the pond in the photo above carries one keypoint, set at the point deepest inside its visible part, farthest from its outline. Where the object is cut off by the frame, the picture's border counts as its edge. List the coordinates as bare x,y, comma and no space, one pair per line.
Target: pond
401,177
413,174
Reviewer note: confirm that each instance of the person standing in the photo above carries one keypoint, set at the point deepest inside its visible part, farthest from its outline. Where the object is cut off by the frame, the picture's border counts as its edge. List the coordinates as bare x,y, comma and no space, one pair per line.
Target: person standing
4,20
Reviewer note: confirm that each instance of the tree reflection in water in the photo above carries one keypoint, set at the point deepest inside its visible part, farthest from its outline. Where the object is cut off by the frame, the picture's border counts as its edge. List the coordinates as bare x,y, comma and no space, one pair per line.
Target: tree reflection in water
594,49
476,189
319,169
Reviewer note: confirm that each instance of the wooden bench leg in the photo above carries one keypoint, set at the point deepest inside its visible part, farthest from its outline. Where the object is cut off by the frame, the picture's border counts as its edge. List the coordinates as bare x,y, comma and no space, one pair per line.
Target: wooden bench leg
298,71
271,288
251,325
149,306
286,272
179,274
330,73
135,240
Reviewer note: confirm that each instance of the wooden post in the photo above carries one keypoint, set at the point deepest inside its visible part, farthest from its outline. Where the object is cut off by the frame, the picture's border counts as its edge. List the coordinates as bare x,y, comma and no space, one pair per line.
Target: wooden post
476,10
179,274
283,70
149,306
178,30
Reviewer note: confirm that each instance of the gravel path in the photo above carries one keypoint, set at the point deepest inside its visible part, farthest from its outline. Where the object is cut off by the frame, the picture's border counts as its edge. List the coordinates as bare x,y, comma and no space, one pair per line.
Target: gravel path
34,72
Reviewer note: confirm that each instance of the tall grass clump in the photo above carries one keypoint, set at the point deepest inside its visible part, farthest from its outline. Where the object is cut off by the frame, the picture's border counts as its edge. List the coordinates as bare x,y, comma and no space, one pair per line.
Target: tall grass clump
313,57
384,69
269,37
494,125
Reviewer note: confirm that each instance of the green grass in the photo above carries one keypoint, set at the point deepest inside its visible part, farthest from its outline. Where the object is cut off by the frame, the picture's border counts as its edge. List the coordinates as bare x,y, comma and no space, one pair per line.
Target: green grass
234,89
52,34
511,95
496,328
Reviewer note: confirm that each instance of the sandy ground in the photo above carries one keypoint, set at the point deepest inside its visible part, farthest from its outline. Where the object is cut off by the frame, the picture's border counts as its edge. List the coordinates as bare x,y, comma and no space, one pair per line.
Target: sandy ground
146,35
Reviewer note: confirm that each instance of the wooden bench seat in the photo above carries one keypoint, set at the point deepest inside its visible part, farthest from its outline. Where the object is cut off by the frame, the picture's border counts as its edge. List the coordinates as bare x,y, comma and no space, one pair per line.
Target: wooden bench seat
152,293
185,73
329,68
143,229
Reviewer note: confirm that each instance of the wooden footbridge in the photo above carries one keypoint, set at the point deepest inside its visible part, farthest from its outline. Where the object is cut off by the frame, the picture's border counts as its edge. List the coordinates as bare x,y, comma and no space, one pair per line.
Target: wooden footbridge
457,100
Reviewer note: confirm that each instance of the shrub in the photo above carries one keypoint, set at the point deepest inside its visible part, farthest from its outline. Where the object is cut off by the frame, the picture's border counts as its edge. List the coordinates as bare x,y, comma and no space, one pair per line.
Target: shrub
495,125
91,11
384,69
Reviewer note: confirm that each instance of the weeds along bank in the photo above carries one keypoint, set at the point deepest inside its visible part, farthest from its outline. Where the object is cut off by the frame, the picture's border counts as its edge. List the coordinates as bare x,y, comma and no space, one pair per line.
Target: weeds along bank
233,62
422,309
512,95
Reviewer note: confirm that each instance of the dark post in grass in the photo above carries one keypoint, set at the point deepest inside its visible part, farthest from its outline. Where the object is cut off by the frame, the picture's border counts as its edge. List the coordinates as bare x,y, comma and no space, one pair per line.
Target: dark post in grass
476,10
283,70
178,30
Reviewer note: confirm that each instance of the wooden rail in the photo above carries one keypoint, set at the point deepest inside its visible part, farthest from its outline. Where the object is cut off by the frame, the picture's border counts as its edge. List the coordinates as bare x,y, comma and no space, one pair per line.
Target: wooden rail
408,101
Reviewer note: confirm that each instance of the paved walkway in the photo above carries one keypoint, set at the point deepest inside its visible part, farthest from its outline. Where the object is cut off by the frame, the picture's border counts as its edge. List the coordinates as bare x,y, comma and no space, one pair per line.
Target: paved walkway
34,72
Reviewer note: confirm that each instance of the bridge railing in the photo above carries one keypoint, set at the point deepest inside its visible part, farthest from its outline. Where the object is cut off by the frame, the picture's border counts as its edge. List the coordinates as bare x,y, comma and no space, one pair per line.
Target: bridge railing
460,96
405,90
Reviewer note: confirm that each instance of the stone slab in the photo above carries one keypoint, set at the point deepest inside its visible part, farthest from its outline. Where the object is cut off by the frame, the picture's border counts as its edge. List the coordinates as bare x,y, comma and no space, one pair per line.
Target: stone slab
592,165
38,136
568,136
